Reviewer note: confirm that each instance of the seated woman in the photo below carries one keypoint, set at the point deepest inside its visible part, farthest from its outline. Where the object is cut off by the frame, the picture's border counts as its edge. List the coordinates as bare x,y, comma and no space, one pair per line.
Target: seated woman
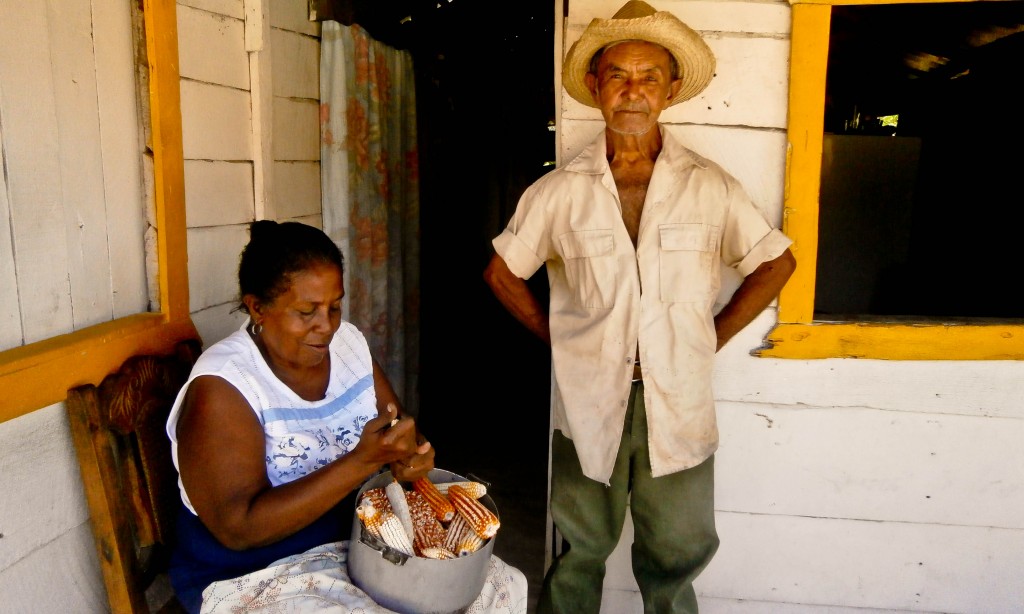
281,422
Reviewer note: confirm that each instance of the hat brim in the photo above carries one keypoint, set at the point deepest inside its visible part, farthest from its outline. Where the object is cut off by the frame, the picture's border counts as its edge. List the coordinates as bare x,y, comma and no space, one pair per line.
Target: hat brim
695,59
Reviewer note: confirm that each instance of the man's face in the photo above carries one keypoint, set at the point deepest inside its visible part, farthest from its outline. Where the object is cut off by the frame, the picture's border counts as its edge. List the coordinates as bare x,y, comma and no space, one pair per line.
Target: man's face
633,85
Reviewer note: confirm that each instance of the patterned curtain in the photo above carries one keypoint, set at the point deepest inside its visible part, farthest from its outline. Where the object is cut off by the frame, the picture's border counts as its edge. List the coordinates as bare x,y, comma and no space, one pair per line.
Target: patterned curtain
370,187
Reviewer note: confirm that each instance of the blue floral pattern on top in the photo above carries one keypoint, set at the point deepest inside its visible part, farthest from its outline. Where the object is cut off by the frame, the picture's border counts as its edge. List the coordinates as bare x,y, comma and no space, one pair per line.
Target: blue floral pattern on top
300,441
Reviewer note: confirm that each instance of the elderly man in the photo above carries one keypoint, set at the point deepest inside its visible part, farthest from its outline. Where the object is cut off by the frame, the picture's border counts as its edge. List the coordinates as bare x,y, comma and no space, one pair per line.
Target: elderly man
634,232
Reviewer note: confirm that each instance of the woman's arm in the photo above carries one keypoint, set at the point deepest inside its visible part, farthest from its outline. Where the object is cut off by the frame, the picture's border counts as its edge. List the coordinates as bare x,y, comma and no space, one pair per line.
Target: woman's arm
221,459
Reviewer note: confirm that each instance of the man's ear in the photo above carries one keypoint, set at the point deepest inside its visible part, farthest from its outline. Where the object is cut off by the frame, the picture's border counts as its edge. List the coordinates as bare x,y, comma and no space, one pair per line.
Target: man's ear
591,80
674,88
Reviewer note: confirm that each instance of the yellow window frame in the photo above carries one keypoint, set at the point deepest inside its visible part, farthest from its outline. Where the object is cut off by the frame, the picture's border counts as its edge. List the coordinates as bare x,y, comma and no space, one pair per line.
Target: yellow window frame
39,374
797,334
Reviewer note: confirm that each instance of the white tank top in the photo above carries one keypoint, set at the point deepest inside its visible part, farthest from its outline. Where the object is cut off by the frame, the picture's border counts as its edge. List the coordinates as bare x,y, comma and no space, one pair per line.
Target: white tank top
301,435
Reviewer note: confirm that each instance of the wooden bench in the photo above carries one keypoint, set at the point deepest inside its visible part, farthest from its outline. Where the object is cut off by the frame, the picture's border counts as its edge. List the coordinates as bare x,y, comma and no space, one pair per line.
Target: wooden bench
130,482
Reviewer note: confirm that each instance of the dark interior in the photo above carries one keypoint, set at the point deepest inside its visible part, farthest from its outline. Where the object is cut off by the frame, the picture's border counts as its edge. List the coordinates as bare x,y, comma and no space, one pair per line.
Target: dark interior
485,94
921,219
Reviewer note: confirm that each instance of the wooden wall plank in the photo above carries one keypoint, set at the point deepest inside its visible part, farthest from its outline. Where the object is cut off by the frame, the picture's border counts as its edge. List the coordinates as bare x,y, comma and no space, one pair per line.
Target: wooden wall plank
295,62
216,322
826,563
32,154
705,16
894,566
296,134
870,464
715,605
229,8
971,388
293,16
218,193
219,125
311,220
212,49
123,149
297,188
38,472
81,162
63,575
623,601
10,311
218,247
257,27
757,158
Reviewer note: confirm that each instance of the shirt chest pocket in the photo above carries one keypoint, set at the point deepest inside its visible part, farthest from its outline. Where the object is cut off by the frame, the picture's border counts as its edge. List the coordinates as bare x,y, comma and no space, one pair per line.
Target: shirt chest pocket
589,257
687,262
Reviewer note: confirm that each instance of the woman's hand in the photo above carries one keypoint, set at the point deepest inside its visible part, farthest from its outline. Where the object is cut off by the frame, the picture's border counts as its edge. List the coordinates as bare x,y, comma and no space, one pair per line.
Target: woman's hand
417,465
390,440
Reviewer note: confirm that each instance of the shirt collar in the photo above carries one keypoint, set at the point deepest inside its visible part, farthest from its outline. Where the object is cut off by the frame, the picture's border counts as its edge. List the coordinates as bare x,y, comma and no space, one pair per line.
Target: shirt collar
593,160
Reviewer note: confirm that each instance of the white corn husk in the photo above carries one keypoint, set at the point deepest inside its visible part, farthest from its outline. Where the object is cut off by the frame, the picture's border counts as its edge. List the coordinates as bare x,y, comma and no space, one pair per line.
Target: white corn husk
400,506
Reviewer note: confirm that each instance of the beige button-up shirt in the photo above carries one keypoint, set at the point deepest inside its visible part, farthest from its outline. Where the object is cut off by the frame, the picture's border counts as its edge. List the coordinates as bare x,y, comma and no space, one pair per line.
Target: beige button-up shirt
696,219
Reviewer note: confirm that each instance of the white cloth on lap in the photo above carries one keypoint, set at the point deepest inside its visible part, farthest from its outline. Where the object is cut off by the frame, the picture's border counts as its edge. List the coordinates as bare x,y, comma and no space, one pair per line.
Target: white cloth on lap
317,581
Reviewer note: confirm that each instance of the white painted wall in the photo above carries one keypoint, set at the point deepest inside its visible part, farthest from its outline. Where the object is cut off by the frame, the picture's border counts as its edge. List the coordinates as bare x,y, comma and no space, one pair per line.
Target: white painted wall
72,190
72,158
250,89
842,485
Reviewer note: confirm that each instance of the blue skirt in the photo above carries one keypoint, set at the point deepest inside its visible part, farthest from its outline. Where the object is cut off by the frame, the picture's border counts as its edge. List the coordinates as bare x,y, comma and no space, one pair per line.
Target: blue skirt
198,559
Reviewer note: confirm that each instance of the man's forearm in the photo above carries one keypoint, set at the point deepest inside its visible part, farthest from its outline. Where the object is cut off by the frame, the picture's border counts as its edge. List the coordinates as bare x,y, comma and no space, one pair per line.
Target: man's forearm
515,295
756,292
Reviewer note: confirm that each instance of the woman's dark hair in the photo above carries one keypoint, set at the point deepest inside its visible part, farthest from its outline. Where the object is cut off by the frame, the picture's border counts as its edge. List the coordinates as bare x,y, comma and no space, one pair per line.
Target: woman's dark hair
277,250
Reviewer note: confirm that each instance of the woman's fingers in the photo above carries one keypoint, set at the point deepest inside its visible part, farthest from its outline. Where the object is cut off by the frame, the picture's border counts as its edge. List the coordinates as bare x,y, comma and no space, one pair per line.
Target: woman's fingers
383,420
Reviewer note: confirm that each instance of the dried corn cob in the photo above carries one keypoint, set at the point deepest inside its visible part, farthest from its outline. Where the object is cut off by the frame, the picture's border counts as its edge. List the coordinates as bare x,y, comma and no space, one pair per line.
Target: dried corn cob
462,539
377,497
482,520
443,508
428,532
438,553
389,529
399,505
472,488
370,516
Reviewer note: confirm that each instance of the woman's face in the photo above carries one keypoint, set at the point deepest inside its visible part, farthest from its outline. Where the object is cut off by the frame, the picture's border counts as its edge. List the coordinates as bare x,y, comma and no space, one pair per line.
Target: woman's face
299,324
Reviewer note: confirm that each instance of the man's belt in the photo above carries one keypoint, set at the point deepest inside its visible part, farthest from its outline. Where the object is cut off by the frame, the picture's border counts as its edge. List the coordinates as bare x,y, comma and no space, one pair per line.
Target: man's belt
637,377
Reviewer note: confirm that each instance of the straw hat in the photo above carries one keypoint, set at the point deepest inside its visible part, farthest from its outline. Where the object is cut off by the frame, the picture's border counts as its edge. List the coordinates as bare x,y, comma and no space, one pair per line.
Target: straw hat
637,20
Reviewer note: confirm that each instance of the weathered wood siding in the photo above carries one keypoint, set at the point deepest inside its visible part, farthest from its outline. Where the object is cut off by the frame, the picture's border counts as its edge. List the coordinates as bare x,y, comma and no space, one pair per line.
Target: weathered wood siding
74,200
250,103
841,485
72,191
73,221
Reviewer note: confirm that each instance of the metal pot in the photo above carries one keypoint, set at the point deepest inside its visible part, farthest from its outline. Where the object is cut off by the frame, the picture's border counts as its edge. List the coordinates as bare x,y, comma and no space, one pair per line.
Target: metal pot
416,585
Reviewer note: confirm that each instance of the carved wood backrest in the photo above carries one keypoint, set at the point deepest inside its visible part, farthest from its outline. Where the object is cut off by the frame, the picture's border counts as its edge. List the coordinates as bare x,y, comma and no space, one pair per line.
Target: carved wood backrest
129,478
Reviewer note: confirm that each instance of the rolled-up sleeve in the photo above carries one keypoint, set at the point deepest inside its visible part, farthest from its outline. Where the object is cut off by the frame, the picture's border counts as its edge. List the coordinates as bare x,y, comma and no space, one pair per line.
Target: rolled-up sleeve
519,257
768,248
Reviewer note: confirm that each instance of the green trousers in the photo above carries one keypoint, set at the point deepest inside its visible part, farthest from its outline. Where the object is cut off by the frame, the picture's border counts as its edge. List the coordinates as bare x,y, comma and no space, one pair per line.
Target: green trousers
673,522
